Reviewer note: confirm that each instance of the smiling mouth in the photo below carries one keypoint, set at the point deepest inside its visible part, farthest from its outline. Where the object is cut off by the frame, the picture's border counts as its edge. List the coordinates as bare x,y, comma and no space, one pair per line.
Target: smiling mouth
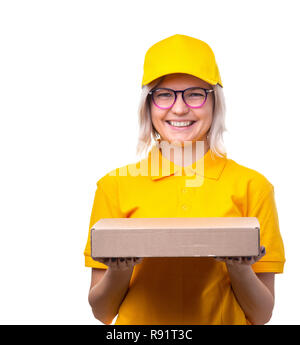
180,124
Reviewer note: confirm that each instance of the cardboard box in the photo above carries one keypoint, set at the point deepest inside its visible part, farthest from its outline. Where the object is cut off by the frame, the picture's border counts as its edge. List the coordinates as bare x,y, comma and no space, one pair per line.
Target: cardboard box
175,237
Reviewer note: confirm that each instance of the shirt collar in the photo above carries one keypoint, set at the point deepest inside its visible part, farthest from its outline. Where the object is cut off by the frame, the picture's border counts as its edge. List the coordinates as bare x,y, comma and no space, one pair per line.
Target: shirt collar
161,167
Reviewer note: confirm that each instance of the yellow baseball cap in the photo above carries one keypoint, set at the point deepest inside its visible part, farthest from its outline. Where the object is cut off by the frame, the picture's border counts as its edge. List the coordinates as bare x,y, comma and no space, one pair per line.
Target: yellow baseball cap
181,54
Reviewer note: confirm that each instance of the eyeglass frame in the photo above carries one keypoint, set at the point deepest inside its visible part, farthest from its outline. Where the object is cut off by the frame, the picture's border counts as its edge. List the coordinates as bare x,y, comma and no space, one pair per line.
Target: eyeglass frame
207,91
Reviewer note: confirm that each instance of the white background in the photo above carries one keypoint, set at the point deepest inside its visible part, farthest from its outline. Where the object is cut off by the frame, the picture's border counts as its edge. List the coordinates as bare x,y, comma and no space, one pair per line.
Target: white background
63,126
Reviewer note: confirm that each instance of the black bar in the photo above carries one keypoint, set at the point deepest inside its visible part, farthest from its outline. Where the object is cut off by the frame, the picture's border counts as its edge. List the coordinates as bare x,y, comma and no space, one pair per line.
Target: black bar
110,334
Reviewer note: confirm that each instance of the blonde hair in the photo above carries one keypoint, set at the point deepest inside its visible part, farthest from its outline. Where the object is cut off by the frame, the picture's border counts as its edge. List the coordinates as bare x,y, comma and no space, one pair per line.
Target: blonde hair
147,132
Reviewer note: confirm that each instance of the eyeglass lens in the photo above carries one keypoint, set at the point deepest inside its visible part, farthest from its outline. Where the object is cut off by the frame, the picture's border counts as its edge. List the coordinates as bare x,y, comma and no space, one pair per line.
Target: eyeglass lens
165,98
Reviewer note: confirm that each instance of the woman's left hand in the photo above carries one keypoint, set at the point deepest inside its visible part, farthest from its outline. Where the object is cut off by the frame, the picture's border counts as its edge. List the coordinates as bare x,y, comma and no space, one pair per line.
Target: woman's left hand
243,260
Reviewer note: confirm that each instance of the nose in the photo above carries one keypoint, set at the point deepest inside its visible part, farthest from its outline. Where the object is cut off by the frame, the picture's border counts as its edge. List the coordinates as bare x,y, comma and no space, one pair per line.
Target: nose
179,106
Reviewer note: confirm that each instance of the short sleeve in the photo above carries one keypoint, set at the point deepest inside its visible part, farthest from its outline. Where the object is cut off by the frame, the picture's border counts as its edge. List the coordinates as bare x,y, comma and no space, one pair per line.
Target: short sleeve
264,209
105,206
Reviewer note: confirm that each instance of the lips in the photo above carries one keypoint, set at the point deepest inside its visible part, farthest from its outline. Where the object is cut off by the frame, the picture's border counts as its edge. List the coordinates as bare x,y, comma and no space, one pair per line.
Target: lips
179,125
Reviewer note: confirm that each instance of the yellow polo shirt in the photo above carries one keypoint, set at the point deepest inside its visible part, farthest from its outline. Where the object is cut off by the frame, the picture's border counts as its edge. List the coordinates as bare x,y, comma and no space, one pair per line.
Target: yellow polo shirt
186,290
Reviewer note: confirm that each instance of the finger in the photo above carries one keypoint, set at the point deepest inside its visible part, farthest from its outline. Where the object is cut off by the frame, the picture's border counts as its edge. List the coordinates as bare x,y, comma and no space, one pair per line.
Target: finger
248,260
237,259
262,251
220,258
129,262
134,259
137,260
99,259
113,263
102,260
229,260
122,263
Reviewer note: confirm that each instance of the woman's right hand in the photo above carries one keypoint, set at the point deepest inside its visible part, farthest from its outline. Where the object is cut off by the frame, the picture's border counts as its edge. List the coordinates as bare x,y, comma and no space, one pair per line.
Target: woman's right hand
120,264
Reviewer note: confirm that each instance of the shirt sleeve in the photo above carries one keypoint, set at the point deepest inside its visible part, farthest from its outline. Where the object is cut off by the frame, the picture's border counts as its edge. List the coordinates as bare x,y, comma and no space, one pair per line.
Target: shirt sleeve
105,206
264,209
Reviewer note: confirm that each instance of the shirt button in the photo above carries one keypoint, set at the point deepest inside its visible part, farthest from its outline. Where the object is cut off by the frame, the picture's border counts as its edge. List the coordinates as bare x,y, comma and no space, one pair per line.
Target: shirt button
184,190
184,207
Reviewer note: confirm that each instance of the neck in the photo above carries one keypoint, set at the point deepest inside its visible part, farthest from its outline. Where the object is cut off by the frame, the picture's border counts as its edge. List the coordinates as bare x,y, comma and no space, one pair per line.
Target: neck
185,154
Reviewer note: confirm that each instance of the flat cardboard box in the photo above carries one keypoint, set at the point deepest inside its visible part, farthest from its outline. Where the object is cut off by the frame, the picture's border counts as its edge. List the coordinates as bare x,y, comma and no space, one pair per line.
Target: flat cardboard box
175,237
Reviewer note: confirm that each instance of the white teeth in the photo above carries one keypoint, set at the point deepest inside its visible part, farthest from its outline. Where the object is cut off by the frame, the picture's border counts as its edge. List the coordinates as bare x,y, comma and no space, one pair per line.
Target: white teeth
181,123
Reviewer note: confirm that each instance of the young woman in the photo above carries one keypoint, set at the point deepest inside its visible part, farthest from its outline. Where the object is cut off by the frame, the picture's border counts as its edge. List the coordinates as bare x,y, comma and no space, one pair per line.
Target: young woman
182,105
